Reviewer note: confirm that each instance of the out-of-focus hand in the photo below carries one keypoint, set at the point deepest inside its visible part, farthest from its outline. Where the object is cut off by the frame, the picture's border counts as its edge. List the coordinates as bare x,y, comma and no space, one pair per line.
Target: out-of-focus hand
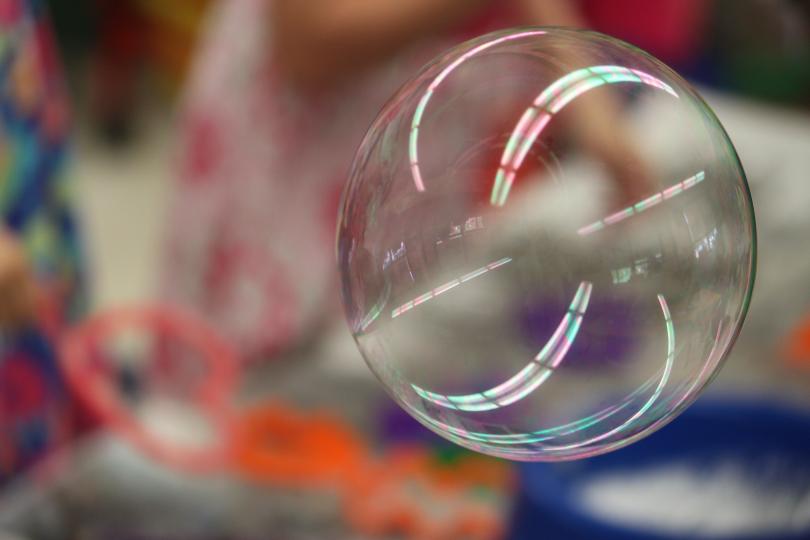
595,119
606,140
17,297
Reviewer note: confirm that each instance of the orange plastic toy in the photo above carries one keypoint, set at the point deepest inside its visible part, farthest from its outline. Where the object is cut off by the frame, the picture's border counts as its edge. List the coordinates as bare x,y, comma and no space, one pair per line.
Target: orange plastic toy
410,493
277,444
797,348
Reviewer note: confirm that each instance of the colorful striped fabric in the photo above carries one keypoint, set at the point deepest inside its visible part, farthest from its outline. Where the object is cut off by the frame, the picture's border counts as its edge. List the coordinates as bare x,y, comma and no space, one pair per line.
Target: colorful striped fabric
34,128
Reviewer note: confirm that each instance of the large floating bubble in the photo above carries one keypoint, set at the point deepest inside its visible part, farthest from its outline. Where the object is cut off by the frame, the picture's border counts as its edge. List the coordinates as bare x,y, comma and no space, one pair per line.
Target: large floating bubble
547,244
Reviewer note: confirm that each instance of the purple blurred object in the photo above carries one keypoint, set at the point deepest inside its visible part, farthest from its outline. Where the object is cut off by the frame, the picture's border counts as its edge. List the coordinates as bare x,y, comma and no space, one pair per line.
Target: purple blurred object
605,338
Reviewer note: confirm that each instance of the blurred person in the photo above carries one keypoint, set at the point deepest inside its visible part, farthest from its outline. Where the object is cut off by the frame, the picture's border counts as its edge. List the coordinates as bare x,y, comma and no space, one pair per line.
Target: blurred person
278,101
41,287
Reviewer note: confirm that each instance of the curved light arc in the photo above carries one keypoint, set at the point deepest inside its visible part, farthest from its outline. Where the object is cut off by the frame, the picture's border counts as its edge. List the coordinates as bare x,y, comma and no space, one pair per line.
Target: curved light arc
532,375
550,102
413,146
546,434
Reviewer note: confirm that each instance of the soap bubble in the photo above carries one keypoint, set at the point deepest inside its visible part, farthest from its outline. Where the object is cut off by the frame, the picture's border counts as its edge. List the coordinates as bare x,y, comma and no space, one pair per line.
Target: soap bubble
547,245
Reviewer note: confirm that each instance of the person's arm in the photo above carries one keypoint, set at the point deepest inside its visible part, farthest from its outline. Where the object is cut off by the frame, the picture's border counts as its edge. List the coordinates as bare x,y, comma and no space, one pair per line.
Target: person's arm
596,118
550,13
319,42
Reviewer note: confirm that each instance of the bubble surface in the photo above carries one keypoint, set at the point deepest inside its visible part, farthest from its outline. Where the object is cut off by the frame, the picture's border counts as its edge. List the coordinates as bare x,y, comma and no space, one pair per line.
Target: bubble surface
546,244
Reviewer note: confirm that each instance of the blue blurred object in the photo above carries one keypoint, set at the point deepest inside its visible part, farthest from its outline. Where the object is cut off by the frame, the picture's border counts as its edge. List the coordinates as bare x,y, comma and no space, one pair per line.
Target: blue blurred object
768,443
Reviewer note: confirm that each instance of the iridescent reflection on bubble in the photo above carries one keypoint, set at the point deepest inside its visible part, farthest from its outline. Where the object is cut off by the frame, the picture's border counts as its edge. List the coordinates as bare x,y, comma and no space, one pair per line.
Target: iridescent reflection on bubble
547,245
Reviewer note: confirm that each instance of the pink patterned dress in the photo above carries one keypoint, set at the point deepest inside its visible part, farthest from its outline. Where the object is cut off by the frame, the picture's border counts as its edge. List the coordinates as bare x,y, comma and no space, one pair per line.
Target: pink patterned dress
261,167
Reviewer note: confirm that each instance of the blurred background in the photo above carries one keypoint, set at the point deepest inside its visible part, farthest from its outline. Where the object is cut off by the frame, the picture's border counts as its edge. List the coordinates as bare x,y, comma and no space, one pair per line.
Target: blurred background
147,155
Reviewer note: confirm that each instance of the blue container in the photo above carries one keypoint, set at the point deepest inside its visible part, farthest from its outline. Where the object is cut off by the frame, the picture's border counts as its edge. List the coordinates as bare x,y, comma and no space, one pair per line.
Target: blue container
752,435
